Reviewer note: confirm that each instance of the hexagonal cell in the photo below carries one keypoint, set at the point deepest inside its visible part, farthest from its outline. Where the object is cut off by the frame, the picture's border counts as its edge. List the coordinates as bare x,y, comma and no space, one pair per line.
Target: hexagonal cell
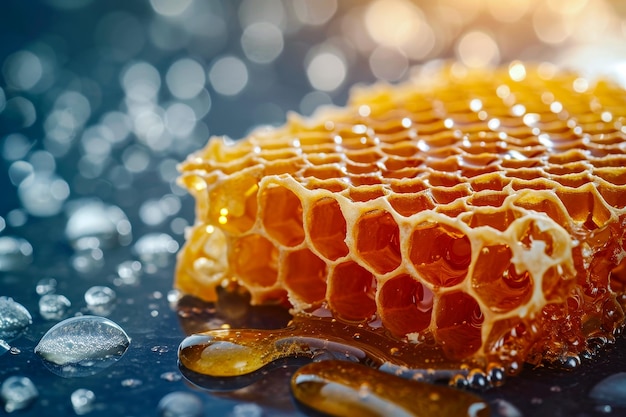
254,261
585,206
305,276
440,253
327,228
233,204
409,204
539,202
281,212
498,219
378,241
496,281
458,321
405,305
351,292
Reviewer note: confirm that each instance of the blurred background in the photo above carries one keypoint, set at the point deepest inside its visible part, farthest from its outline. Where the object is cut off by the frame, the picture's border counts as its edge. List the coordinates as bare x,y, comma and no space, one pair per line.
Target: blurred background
99,101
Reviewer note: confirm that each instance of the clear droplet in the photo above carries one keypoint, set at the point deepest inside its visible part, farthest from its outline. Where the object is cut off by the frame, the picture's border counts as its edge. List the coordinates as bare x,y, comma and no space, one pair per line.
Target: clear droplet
14,319
611,390
180,404
247,410
45,286
156,248
54,306
91,221
15,253
82,346
18,392
100,299
43,194
129,273
82,401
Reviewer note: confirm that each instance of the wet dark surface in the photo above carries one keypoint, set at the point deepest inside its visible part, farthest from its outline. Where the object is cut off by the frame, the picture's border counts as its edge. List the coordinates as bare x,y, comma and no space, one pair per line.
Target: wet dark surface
87,47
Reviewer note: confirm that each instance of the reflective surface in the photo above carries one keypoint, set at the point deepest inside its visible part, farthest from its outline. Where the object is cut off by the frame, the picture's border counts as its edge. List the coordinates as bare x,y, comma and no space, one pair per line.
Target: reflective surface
100,100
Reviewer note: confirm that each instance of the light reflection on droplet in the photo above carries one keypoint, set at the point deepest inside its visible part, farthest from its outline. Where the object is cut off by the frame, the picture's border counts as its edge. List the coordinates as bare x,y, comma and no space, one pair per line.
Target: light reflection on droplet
141,81
117,124
22,70
228,75
93,220
252,11
477,49
18,393
54,306
43,195
185,78
19,171
180,404
45,286
129,273
20,111
42,161
100,300
14,317
16,217
136,159
82,401
312,101
262,42
156,249
179,120
170,8
314,12
550,27
388,64
326,69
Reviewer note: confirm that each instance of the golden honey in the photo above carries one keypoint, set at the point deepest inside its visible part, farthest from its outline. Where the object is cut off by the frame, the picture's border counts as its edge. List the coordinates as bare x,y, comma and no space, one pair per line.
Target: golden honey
484,210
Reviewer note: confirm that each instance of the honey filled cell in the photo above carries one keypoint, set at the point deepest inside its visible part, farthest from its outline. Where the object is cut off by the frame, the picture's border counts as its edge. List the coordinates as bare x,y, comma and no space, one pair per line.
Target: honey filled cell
461,210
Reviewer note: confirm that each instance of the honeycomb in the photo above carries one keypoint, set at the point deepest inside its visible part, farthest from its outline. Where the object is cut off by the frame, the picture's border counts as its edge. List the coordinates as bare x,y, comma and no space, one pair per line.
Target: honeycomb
484,210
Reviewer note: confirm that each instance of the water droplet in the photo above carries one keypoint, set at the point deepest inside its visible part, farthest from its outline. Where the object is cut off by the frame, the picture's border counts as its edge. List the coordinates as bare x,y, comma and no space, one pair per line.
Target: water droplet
18,392
15,253
43,195
45,286
129,273
4,347
504,408
247,410
180,404
14,319
82,346
131,382
54,306
156,248
611,390
91,221
82,401
171,376
100,300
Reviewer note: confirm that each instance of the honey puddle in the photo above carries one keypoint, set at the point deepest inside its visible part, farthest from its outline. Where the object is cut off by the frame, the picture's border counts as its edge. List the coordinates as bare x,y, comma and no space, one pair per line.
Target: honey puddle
345,367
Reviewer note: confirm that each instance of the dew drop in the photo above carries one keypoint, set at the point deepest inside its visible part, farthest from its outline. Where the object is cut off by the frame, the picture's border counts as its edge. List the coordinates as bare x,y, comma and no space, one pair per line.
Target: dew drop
82,346
180,404
611,390
54,306
94,221
100,300
15,253
14,319
82,401
156,248
18,392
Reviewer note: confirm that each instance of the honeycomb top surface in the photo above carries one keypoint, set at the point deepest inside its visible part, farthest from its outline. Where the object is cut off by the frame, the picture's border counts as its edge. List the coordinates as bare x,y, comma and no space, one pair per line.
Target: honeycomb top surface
461,205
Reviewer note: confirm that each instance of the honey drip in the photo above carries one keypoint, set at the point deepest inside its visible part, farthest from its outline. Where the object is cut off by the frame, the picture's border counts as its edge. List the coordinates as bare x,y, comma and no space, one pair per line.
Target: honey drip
227,353
340,388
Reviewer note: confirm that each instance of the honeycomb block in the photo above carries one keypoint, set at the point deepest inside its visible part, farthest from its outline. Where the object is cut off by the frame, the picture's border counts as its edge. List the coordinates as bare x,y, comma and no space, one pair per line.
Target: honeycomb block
482,210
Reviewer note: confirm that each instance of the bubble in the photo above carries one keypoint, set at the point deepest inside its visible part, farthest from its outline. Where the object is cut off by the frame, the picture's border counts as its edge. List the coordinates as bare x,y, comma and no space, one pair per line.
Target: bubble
43,195
15,218
156,248
325,69
22,70
262,42
18,392
54,306
611,390
314,12
228,75
180,404
170,8
19,112
14,319
15,253
88,260
45,286
185,78
136,159
83,401
200,104
82,346
15,146
19,171
100,299
118,125
75,104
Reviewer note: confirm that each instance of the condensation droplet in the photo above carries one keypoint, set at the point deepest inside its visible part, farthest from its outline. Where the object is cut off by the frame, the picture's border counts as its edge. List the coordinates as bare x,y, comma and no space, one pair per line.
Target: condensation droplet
156,248
43,195
82,346
14,319
54,306
180,404
95,223
82,401
15,253
18,392
100,299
